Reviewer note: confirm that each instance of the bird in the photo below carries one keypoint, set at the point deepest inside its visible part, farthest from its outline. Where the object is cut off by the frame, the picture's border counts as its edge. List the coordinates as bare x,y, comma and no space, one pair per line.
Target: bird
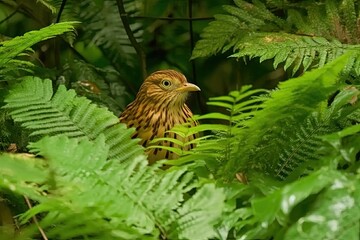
159,105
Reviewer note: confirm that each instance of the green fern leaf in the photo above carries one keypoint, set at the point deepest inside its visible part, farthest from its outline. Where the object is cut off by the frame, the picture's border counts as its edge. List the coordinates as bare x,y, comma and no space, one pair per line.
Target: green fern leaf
296,99
33,104
91,197
299,151
11,48
196,214
311,36
49,4
105,29
293,50
33,174
231,28
350,17
215,149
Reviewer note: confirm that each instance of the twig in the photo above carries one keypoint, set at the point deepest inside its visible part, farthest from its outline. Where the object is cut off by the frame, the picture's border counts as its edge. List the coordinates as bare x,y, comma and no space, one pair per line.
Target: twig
22,9
139,51
54,41
193,66
171,18
35,220
63,3
10,15
191,40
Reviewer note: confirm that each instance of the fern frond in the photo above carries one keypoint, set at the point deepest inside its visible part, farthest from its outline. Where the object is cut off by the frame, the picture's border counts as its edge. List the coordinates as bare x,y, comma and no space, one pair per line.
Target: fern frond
14,68
281,148
306,149
95,198
33,174
312,35
227,29
33,104
298,151
105,29
350,16
48,4
218,147
277,134
12,48
292,50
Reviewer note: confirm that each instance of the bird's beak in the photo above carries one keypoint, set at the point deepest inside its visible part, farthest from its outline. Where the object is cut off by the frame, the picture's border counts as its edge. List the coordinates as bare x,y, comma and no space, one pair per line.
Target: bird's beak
188,87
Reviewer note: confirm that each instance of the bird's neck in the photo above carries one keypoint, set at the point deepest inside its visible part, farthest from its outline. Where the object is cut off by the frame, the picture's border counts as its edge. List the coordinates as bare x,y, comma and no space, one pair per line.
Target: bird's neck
165,105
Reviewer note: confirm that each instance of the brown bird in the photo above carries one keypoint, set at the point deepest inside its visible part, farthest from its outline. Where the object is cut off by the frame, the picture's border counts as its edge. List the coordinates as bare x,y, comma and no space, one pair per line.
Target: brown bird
159,106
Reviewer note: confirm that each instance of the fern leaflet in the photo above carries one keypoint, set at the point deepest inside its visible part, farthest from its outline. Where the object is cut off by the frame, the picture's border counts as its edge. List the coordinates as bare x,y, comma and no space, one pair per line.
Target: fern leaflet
33,104
108,199
300,41
11,48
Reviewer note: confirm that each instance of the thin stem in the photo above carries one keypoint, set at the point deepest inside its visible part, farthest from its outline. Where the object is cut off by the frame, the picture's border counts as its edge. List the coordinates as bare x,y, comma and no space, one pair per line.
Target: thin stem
35,220
191,32
193,65
172,19
63,3
56,48
10,15
139,51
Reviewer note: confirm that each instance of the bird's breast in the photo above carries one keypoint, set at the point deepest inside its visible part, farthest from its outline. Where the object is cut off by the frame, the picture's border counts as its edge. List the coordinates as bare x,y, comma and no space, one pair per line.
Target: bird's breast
155,122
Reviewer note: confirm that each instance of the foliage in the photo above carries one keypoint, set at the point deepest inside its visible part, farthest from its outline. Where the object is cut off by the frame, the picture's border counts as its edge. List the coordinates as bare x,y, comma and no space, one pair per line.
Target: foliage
112,39
124,174
33,104
297,115
270,156
305,35
11,49
270,164
131,200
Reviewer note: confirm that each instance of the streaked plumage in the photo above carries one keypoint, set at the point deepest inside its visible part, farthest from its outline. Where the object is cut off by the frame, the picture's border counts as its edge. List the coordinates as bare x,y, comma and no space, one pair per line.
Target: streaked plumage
159,106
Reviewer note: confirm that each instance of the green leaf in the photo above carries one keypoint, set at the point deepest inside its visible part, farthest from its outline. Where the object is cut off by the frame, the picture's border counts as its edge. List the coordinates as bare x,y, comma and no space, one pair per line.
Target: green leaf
199,214
345,142
33,174
33,104
294,102
214,116
11,48
106,198
279,204
334,215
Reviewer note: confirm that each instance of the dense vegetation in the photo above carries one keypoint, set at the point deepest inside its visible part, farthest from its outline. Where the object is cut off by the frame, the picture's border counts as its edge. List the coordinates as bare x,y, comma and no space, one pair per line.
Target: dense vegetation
272,163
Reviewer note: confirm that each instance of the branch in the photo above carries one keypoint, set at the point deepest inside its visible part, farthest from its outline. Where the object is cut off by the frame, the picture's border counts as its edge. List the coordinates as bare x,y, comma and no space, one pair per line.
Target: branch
63,3
35,220
172,19
11,14
139,51
201,103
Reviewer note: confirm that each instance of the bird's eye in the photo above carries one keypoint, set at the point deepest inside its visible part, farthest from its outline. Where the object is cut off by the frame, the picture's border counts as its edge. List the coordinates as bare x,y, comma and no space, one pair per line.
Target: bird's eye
166,83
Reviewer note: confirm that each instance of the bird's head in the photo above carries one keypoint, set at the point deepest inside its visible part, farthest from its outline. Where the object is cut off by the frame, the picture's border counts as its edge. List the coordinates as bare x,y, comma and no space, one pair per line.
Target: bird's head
166,86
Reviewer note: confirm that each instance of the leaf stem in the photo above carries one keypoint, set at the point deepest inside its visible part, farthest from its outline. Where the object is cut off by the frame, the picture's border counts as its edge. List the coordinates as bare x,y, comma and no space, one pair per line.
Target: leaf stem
10,15
172,18
35,220
139,51
63,3
202,106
